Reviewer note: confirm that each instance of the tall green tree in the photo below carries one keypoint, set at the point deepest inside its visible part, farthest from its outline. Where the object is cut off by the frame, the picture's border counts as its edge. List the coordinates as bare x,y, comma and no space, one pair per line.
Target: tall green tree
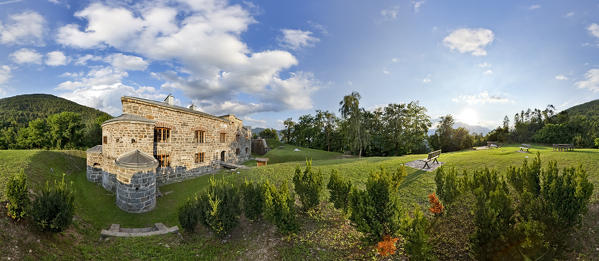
288,129
351,112
66,130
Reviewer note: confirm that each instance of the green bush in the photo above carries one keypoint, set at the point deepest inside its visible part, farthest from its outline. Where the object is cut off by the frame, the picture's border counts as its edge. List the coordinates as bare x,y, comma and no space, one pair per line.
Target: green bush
279,207
188,214
339,190
53,209
448,186
493,214
253,200
218,207
308,186
375,211
414,232
17,195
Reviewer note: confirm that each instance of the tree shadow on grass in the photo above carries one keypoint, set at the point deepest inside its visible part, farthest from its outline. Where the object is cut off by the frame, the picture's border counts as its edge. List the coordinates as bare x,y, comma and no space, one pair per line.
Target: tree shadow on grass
47,166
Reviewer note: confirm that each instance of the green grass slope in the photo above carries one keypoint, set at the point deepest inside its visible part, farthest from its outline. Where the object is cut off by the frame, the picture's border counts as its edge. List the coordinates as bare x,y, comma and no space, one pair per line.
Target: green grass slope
324,236
281,153
18,110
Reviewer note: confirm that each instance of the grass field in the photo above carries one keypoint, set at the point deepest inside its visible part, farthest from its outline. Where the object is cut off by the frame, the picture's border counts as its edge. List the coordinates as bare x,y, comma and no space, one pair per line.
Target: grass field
95,207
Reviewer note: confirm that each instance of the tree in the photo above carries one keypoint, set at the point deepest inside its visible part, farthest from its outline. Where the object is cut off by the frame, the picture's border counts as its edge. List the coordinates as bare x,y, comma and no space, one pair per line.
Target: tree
269,134
35,136
66,130
351,112
288,129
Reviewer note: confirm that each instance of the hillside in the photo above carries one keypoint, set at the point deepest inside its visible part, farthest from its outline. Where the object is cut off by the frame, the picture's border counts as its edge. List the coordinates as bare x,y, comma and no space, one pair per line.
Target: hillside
471,128
17,111
589,109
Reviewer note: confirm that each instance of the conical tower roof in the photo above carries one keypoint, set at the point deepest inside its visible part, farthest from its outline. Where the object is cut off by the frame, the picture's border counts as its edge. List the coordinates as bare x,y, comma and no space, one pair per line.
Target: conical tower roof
136,160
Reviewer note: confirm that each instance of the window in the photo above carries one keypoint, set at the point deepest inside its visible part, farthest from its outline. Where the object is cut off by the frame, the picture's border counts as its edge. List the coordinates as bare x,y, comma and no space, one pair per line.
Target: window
223,137
200,136
164,160
200,157
161,134
105,140
246,150
237,152
237,137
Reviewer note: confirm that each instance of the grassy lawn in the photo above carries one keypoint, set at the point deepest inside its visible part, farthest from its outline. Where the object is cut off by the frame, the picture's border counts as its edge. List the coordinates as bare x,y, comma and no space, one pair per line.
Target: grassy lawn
96,209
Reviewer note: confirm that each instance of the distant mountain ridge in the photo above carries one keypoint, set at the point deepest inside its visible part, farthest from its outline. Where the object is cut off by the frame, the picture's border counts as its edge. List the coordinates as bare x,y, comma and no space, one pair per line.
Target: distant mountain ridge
18,110
589,109
471,128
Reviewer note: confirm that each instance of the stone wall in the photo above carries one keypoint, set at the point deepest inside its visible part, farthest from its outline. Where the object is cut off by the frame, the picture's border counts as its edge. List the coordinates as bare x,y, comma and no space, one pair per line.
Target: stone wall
109,181
125,136
139,195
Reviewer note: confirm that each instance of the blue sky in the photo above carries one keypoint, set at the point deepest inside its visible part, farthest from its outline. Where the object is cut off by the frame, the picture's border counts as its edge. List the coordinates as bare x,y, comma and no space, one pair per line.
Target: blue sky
269,60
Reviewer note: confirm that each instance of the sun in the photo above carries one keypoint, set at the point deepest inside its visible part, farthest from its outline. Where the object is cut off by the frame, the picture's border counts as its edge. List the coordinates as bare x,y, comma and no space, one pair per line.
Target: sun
468,116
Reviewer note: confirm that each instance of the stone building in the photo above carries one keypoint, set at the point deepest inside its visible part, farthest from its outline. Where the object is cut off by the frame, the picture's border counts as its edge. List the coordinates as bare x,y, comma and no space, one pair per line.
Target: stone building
155,143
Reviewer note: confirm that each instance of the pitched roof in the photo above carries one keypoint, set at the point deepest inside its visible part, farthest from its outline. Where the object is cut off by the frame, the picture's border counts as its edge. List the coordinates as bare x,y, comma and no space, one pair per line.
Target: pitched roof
174,107
136,160
129,117
95,149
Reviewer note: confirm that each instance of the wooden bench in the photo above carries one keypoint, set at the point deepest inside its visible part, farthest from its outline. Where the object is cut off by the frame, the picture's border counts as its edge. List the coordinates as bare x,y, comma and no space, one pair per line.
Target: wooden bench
493,143
563,147
524,147
261,162
432,157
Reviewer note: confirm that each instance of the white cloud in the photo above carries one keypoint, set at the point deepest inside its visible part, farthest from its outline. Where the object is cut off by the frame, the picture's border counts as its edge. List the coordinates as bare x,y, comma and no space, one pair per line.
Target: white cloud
203,41
467,40
385,71
481,98
82,60
102,88
417,5
591,81
426,80
533,7
390,13
296,39
394,60
127,62
5,74
569,14
24,28
56,58
488,72
484,65
594,30
254,122
561,77
350,83
24,55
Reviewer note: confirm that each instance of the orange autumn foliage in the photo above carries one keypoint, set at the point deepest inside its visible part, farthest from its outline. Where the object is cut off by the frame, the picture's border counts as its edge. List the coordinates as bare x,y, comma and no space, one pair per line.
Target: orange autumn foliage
387,246
436,206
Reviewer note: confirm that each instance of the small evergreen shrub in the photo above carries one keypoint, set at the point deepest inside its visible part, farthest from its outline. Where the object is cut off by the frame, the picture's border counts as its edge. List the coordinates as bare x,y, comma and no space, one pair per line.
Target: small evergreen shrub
308,186
279,208
448,186
339,190
218,207
375,211
18,196
53,209
188,214
414,232
253,200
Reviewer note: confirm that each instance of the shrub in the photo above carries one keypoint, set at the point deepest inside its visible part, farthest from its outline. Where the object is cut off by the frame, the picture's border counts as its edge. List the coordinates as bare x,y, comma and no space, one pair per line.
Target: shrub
339,191
435,205
493,214
387,247
448,187
596,141
17,195
219,207
253,200
279,207
53,209
375,211
188,214
308,186
414,231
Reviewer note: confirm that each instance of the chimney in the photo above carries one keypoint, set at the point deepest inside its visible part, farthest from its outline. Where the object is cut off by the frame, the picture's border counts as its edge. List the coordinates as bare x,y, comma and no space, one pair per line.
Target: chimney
170,100
192,107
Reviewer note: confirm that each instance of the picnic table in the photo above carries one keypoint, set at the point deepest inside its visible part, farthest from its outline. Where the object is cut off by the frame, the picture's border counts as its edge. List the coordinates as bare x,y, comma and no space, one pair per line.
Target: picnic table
493,144
563,147
432,156
524,147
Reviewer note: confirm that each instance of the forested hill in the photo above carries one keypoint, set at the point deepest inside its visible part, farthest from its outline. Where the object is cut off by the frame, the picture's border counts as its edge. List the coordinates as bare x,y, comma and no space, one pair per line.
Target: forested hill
589,109
17,111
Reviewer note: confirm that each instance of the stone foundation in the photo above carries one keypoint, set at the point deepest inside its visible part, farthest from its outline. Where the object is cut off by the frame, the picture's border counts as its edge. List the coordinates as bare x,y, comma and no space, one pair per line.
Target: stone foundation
109,181
177,174
94,174
139,195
